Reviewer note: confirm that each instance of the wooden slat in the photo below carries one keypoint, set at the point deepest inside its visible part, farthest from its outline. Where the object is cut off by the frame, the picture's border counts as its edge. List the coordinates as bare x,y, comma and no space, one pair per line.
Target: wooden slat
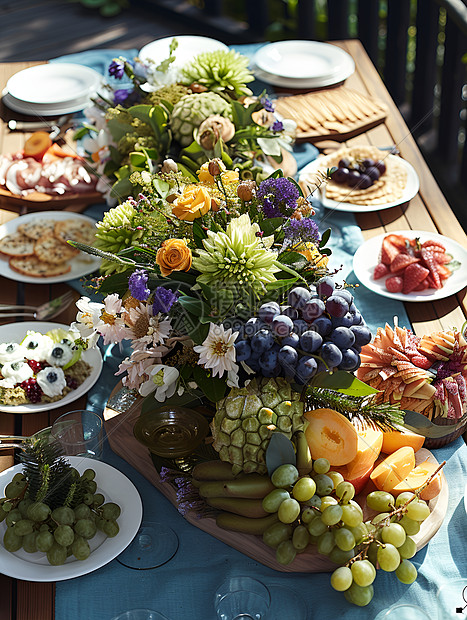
368,27
338,19
35,601
398,19
306,24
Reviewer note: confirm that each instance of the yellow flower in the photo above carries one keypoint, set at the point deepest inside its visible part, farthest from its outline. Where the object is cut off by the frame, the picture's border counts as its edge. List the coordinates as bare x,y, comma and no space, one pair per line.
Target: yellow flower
194,202
312,254
228,176
173,255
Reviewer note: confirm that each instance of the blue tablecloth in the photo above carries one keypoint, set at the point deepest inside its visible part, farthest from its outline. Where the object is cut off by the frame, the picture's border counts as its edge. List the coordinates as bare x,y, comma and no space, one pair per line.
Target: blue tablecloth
185,586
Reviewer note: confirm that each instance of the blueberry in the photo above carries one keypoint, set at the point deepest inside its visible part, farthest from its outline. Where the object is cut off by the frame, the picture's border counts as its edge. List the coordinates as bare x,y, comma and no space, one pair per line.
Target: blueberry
52,377
57,352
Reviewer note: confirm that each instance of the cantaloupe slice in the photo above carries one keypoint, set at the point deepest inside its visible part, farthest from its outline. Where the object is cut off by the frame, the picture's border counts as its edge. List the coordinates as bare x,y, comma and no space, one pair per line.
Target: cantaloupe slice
417,477
370,441
393,469
393,440
359,481
37,144
332,436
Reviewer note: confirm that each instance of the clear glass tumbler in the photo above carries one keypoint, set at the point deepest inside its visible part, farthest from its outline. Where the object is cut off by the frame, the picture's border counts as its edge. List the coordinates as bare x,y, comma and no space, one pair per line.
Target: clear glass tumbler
242,598
80,433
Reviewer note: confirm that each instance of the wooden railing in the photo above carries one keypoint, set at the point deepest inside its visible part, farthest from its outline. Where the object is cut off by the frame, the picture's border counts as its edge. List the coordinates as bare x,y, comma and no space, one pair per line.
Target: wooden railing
418,46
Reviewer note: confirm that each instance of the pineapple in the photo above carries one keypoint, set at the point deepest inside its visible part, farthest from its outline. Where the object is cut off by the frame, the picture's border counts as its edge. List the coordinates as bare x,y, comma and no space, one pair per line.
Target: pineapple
247,417
192,110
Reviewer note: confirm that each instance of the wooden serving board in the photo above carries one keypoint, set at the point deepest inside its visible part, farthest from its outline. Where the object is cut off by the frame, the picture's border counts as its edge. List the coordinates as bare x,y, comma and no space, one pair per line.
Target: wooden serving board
49,202
119,428
338,113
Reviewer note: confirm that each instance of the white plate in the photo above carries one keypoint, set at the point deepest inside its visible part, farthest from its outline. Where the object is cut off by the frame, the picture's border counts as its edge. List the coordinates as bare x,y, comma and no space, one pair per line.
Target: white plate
410,190
302,60
115,487
367,257
60,83
32,109
81,265
188,47
15,332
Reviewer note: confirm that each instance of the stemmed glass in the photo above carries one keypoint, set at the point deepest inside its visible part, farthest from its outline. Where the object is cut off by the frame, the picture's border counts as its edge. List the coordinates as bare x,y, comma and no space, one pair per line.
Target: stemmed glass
154,545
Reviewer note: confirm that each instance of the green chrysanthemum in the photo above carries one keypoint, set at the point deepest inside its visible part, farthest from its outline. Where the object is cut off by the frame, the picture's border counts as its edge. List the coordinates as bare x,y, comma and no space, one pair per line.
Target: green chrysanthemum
237,256
220,70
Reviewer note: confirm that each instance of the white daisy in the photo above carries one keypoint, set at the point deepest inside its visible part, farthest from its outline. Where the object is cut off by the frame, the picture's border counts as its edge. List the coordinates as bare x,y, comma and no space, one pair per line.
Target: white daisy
138,366
218,351
88,318
147,330
112,326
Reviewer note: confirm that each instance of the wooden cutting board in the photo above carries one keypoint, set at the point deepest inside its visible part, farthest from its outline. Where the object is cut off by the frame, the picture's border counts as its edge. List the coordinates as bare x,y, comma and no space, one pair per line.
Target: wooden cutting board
119,428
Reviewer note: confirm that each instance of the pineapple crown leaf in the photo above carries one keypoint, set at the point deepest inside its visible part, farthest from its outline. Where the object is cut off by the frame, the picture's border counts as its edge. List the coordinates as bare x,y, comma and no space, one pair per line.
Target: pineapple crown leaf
220,70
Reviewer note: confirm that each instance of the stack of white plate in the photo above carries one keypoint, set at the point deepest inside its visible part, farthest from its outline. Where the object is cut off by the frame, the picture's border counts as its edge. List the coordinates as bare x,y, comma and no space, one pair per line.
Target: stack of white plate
51,89
302,64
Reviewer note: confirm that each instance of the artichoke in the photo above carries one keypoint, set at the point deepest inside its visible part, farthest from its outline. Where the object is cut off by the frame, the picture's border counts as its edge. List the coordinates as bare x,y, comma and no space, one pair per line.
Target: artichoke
192,110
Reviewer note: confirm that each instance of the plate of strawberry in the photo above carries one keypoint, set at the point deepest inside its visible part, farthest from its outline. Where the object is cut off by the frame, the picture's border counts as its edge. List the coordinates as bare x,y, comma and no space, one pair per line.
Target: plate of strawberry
411,265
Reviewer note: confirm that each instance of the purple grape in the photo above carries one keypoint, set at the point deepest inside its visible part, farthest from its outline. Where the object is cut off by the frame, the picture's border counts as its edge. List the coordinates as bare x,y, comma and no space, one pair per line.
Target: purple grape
340,175
365,181
342,337
344,163
253,363
300,326
282,325
290,312
331,354
292,340
357,319
345,293
362,334
350,360
306,368
325,286
275,372
336,306
298,297
373,173
353,178
243,350
381,166
268,360
268,311
322,325
287,357
353,308
310,341
252,326
367,163
261,341
344,321
313,309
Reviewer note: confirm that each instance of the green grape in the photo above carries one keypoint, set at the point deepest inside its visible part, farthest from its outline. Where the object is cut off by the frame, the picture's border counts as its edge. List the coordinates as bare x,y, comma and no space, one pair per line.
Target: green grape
357,506
380,501
15,488
372,553
363,572
408,549
324,484
88,499
406,572
7,506
326,543
57,554
23,527
304,489
345,540
315,501
336,477
13,516
63,515
23,507
288,510
277,533
308,514
80,548
43,527
345,491
284,476
44,541
359,531
92,486
300,538
418,510
383,516
285,552
403,498
410,526
359,595
29,542
316,527
64,535
337,556
111,528
69,552
394,534
388,557
274,499
38,511
321,466
88,474
332,515
82,512
19,478
327,500
85,528
100,522
2,515
341,579
99,499
11,541
351,516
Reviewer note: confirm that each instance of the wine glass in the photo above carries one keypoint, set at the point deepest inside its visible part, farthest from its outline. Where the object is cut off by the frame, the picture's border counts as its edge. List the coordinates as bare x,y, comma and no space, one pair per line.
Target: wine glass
154,545
140,614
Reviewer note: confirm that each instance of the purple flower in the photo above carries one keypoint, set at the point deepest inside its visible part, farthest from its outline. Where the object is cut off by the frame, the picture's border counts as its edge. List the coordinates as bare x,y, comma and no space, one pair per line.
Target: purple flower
117,68
278,197
137,285
267,104
125,97
277,126
164,299
302,231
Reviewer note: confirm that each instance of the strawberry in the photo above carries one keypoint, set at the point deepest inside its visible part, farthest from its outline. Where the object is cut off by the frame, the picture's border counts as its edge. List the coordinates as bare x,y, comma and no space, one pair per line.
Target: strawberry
388,252
434,244
394,284
401,261
398,240
423,285
380,271
444,271
441,257
413,276
421,361
429,261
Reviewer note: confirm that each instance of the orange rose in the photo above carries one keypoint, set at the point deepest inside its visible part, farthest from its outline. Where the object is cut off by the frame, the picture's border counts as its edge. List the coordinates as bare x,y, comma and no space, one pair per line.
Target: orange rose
173,255
194,202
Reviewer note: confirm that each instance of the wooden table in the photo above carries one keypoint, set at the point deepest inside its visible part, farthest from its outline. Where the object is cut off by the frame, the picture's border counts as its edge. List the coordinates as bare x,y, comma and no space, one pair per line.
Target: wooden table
427,211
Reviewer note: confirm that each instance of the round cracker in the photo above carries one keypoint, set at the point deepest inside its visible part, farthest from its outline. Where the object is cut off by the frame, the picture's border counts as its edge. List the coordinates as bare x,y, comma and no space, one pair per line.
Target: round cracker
74,230
36,228
17,245
50,249
32,266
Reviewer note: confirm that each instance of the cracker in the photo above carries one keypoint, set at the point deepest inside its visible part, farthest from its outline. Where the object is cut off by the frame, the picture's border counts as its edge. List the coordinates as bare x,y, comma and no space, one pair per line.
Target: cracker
74,230
49,249
17,245
36,228
32,266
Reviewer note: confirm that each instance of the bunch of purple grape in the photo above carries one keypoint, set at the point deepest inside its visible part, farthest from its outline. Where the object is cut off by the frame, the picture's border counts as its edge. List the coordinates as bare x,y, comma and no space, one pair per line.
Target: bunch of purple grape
320,328
358,173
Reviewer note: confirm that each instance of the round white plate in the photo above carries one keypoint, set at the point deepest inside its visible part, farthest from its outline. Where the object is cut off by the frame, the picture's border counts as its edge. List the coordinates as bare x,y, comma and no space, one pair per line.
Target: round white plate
410,190
188,47
56,83
302,59
15,332
32,109
115,487
81,265
367,257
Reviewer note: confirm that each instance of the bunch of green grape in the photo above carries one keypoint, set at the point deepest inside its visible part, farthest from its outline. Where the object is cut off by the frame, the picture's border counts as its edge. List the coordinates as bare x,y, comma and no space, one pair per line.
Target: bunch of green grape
319,509
61,532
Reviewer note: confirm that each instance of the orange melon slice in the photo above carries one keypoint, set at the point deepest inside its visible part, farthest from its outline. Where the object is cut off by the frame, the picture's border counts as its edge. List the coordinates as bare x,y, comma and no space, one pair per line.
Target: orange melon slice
332,436
417,478
393,469
370,442
393,440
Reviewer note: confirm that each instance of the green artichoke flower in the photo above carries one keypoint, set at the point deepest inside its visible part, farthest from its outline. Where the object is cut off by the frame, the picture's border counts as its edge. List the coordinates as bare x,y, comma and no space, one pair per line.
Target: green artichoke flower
218,71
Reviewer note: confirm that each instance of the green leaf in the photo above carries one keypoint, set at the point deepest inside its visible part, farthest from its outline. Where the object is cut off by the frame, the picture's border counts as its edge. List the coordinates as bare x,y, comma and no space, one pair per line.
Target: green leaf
161,187
195,306
80,133
287,269
213,387
117,282
118,129
280,451
281,286
187,172
93,3
138,160
110,9
289,257
344,382
121,189
325,237
268,226
198,234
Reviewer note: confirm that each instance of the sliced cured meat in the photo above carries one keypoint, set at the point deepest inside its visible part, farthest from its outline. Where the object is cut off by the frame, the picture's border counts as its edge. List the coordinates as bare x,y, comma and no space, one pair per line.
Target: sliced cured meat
22,176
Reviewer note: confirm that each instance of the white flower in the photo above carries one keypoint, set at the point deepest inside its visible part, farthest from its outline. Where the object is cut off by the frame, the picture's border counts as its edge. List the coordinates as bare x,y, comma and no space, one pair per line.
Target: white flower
97,146
218,351
88,318
138,366
147,330
112,326
163,379
96,116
